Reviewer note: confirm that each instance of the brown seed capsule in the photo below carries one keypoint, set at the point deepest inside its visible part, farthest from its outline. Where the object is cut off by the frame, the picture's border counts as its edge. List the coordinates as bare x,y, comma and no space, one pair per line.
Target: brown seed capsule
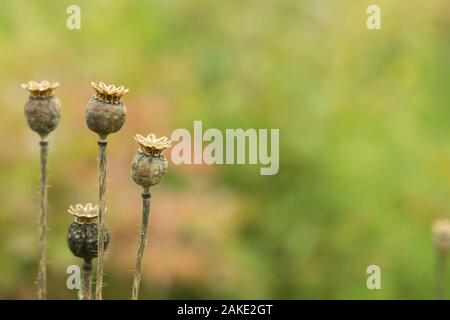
105,112
82,236
149,164
43,108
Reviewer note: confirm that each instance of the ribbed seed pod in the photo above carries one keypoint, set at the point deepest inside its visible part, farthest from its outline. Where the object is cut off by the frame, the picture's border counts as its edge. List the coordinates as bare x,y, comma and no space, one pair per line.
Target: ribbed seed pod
105,112
43,108
82,240
149,164
43,113
147,169
82,236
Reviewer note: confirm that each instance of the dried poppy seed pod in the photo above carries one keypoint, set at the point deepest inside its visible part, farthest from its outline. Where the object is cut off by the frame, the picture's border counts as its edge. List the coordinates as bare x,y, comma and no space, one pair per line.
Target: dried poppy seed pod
149,164
147,169
105,112
43,108
441,235
82,236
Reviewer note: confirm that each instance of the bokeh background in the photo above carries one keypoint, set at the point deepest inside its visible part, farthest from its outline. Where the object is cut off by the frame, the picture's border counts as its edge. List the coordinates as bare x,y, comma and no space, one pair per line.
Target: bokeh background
364,144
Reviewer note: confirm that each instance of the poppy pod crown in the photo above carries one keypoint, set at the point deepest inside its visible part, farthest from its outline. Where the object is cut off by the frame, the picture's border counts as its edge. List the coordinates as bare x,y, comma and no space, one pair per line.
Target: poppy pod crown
84,214
41,89
151,145
109,93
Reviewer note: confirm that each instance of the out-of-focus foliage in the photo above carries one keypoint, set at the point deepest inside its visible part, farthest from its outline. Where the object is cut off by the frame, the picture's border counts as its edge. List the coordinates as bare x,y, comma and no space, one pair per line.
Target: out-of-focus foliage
364,144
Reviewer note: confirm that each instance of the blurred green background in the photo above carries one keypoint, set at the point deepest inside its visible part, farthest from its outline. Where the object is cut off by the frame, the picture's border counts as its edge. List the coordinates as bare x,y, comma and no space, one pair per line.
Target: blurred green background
364,144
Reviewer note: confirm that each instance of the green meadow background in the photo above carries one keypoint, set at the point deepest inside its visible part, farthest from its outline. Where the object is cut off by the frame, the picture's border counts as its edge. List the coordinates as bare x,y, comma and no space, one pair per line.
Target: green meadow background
364,144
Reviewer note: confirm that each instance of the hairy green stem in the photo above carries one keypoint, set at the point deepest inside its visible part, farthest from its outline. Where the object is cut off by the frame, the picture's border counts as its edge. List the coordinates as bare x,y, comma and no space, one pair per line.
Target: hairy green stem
42,273
146,195
101,217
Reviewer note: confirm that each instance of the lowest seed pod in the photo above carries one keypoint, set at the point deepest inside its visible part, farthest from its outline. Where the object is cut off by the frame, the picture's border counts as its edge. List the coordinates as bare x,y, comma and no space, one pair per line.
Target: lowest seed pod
43,113
82,240
147,169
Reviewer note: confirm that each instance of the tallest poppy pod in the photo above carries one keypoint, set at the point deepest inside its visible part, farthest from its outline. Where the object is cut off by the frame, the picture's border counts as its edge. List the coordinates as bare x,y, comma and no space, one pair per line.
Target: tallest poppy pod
106,112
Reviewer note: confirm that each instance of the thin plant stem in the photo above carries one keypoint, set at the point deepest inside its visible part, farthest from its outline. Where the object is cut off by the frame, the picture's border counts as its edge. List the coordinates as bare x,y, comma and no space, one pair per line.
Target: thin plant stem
101,217
441,258
146,195
87,280
42,273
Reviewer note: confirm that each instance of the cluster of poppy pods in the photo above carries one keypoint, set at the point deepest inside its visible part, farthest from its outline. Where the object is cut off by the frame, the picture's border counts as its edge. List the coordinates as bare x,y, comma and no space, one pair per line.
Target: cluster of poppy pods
88,236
